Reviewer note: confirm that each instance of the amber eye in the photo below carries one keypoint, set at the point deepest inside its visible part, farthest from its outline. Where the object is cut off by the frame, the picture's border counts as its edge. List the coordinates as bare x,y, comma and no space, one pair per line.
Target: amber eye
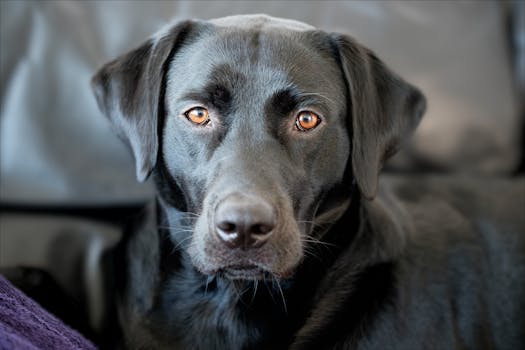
198,115
307,120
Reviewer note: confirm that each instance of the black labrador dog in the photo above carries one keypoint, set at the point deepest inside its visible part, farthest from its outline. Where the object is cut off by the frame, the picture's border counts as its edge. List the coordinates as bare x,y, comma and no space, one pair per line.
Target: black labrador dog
265,138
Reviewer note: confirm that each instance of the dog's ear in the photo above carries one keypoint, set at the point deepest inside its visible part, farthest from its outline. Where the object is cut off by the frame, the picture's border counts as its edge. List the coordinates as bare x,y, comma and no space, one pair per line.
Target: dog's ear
129,91
384,110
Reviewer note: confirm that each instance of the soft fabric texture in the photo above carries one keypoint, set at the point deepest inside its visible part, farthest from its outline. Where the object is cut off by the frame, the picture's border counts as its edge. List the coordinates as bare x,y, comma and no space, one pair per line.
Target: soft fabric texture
26,325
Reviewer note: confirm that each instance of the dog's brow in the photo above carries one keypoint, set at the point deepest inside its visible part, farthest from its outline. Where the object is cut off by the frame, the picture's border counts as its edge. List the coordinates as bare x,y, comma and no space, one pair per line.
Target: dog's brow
214,95
217,92
313,98
285,101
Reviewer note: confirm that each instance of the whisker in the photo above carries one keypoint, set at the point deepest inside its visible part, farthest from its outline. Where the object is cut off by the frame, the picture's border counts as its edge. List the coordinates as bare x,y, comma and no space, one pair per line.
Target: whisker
208,280
305,222
255,285
176,229
316,224
176,247
316,241
189,213
281,293
239,293
246,289
270,291
313,254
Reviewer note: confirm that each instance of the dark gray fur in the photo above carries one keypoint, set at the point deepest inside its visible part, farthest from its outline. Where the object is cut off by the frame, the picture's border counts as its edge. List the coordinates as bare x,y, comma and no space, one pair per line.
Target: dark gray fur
425,264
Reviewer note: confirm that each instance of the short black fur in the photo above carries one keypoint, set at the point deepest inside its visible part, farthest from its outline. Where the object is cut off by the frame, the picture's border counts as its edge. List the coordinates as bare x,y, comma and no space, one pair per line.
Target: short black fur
346,264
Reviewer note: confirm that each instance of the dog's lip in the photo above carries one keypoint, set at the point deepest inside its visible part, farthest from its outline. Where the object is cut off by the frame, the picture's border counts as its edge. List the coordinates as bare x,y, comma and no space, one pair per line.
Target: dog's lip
248,271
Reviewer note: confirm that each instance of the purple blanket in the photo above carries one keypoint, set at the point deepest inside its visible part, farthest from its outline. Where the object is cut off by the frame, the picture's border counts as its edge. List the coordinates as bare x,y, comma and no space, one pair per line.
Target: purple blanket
26,325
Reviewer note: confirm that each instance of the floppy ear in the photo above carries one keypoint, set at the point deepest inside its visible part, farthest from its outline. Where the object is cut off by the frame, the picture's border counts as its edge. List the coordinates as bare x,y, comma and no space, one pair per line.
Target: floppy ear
130,90
384,110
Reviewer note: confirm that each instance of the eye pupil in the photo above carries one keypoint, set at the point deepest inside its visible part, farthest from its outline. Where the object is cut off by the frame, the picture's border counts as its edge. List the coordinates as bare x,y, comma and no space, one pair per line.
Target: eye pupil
306,118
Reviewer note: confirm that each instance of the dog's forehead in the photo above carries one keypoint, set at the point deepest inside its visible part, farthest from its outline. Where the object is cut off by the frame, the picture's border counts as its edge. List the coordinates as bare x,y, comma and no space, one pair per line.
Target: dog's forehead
264,56
260,22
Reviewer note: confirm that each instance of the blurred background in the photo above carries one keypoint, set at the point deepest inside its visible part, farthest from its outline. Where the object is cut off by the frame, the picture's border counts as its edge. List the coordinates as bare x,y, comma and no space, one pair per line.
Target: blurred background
66,180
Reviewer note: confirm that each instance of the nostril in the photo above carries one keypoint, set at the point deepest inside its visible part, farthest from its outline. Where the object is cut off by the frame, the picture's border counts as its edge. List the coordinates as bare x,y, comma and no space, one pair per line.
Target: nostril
261,229
227,227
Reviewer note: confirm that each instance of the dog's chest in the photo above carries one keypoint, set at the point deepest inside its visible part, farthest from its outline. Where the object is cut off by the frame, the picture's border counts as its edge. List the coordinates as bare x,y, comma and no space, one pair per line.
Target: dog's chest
217,315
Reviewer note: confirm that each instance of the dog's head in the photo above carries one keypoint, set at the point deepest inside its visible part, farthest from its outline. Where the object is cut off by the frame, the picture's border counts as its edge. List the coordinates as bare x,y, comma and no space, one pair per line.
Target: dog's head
257,126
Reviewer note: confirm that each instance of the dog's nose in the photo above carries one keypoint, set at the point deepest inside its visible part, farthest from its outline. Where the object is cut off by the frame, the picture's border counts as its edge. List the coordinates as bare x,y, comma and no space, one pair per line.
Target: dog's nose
244,222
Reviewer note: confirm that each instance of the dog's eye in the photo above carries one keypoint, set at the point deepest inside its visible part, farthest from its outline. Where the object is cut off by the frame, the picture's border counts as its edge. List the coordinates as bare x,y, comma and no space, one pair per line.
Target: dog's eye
198,115
307,120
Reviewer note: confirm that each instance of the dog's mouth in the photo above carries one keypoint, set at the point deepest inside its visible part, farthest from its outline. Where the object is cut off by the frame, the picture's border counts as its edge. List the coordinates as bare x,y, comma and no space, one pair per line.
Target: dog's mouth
252,272
233,247
238,272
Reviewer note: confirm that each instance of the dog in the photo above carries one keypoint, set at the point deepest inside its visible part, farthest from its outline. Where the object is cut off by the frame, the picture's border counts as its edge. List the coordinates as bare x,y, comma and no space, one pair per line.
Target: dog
265,138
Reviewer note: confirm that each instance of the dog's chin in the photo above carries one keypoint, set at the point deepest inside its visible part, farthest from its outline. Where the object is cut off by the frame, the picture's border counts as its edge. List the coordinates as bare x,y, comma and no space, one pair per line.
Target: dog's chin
245,272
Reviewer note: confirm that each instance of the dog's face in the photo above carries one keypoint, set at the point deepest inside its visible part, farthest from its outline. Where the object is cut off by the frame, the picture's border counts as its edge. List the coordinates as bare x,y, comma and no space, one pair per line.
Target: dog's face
258,125
250,119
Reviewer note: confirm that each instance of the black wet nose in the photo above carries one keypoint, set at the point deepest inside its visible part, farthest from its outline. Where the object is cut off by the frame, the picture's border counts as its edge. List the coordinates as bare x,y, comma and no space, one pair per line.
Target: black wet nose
244,221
